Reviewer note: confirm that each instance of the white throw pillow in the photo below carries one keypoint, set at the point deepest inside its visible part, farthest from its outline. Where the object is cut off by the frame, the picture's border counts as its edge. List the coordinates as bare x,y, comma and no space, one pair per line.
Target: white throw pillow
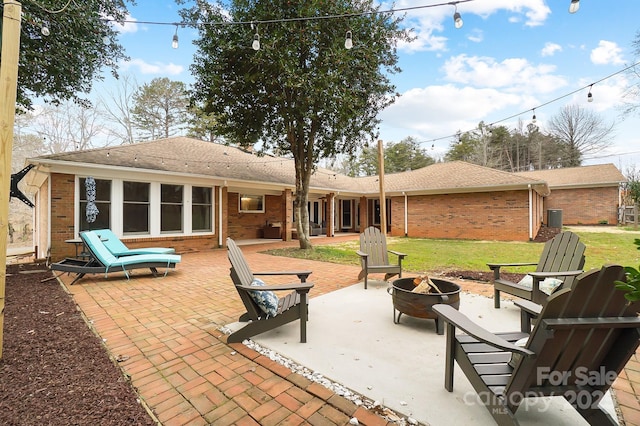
515,357
548,285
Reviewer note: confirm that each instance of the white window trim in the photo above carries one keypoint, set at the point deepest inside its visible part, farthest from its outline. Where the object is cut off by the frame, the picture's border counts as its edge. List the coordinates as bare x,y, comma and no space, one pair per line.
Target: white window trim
117,203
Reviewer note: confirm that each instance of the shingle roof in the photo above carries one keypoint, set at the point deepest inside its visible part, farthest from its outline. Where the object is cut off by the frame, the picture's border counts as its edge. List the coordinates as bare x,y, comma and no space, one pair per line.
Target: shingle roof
192,156
594,175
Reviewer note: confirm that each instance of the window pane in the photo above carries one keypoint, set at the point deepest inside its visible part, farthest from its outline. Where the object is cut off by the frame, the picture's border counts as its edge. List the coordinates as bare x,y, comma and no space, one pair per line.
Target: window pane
135,218
135,209
171,217
103,203
171,208
136,191
201,195
201,218
171,193
102,220
201,209
251,203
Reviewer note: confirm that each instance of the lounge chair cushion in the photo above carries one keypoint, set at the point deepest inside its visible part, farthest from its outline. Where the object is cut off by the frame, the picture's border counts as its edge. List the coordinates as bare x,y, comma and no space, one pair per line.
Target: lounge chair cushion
548,285
266,300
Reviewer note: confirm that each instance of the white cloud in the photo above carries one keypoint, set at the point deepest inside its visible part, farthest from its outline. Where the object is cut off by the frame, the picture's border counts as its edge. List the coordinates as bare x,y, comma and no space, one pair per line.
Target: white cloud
513,74
155,68
127,27
427,22
436,111
476,36
550,49
607,52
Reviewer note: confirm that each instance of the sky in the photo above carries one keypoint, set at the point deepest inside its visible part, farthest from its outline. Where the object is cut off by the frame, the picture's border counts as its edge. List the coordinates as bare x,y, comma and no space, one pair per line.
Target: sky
509,57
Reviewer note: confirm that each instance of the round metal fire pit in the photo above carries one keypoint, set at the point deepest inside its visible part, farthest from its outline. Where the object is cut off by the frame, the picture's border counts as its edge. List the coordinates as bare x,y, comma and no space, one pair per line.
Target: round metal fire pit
419,305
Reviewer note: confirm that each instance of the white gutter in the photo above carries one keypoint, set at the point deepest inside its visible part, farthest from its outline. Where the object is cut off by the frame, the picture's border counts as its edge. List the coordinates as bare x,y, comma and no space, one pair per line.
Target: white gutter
530,213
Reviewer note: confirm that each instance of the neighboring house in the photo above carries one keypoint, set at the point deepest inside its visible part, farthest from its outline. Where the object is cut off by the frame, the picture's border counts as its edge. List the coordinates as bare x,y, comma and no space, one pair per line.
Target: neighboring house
191,195
587,195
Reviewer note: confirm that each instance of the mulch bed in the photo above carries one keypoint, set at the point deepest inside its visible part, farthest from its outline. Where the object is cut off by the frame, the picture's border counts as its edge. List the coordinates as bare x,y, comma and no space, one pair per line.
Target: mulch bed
54,370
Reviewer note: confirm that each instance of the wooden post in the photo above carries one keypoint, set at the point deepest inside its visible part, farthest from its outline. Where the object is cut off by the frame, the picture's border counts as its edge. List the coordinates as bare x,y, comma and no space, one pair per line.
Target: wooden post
8,91
383,199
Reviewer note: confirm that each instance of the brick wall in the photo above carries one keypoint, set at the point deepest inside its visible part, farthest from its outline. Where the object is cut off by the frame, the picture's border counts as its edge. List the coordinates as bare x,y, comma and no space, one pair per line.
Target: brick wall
62,208
249,225
584,206
476,216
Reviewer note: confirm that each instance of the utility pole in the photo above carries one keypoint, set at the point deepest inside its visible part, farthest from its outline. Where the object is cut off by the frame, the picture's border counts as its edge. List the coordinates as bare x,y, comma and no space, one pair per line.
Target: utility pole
8,91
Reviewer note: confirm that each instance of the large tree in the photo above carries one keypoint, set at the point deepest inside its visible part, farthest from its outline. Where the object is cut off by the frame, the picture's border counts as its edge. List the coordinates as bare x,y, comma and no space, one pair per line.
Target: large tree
302,91
64,48
160,108
580,132
398,157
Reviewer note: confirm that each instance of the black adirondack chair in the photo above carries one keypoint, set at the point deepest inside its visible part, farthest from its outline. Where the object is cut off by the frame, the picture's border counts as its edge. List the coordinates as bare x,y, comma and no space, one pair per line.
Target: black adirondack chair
583,338
291,307
562,258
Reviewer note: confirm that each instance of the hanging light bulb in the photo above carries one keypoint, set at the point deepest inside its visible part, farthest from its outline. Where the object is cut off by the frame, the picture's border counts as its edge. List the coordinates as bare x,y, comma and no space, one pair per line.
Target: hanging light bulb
457,19
44,29
174,42
574,6
534,119
348,40
590,95
256,42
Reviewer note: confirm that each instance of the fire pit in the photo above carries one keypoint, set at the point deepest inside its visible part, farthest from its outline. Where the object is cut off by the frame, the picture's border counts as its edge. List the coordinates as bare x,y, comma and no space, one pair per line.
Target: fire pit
419,305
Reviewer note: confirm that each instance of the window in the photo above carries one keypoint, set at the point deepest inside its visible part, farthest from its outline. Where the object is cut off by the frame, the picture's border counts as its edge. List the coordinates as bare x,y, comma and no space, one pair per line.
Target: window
251,203
103,203
171,202
376,211
346,214
201,209
135,208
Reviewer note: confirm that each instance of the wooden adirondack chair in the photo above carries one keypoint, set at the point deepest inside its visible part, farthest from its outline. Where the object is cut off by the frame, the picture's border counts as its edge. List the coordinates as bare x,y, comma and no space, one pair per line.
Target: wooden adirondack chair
583,338
374,256
562,258
291,307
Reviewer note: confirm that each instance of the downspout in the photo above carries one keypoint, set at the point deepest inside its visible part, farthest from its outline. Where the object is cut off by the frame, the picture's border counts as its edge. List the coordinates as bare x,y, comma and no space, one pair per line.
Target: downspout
406,214
333,215
219,216
530,212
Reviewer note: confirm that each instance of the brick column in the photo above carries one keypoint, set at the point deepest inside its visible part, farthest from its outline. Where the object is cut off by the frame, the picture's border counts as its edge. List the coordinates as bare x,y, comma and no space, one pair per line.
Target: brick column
363,214
62,209
222,210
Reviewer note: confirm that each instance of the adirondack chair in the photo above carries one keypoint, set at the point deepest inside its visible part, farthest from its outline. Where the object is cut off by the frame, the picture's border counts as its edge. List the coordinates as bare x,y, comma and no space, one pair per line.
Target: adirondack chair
583,338
562,258
374,256
289,308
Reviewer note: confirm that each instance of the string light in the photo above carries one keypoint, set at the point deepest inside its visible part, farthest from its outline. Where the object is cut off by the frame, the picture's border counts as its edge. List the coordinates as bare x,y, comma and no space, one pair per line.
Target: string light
534,119
590,95
44,29
256,39
174,42
457,19
574,6
348,40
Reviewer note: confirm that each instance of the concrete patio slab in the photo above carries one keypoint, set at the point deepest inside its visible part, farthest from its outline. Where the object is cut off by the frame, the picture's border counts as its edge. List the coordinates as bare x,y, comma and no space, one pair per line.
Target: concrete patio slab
353,340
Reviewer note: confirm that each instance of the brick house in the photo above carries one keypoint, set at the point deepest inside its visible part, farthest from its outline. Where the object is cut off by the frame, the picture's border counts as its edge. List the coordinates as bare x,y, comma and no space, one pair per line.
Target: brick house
191,195
584,194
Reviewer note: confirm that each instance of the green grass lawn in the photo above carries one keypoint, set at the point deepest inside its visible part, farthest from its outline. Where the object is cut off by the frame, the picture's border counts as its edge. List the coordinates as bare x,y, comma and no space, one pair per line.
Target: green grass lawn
440,255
